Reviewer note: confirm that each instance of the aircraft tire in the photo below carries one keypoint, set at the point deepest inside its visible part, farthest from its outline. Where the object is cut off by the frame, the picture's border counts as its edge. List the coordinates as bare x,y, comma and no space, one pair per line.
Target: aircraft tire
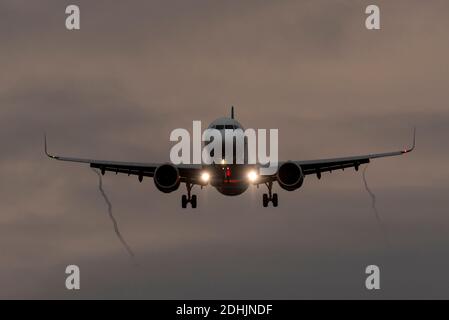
184,201
275,200
193,201
265,200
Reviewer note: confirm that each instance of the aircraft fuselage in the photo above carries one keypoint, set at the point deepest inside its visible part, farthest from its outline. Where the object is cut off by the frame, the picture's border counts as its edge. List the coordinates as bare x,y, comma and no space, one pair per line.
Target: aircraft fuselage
230,180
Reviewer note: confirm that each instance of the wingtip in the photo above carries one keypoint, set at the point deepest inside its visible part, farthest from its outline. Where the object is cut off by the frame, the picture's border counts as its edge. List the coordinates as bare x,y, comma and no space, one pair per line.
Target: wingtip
45,143
45,147
414,142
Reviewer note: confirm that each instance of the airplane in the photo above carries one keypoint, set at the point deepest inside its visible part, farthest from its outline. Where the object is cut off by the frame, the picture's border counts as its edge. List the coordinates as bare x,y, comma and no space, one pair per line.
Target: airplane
230,179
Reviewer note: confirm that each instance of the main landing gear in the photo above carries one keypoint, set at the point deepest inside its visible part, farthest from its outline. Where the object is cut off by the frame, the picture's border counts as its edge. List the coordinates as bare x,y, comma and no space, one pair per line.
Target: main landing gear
273,197
185,199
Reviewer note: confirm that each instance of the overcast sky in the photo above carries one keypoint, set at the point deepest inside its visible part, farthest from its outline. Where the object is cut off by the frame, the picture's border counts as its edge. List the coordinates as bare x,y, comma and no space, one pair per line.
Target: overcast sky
138,69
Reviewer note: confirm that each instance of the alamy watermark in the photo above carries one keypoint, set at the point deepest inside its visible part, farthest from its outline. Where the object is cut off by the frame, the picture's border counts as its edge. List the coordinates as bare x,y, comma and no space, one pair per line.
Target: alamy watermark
72,22
373,279
240,147
72,282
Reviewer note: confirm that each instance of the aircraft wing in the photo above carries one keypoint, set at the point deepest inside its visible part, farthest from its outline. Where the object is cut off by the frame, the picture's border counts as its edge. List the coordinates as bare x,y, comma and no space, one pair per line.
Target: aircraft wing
328,165
186,171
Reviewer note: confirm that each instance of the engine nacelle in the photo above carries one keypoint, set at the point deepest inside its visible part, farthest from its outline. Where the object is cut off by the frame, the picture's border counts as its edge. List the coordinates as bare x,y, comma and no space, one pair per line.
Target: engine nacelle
166,178
290,176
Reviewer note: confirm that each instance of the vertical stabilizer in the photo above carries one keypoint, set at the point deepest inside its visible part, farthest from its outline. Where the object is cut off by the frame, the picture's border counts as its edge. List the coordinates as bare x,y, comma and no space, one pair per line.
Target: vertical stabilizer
232,112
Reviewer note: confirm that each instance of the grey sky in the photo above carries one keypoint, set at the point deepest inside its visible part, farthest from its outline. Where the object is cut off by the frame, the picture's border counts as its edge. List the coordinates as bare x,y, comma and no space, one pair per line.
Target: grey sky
138,69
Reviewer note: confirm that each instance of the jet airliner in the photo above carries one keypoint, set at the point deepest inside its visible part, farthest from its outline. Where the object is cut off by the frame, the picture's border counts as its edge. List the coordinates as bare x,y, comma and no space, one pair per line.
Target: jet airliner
229,179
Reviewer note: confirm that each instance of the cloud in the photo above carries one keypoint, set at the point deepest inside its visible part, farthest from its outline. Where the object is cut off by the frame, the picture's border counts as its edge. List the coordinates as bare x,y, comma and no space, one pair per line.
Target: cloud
136,71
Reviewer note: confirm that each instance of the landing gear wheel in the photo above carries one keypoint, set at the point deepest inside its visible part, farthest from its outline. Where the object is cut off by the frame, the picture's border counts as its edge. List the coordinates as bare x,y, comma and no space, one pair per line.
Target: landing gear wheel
184,201
273,197
188,198
275,200
193,201
265,200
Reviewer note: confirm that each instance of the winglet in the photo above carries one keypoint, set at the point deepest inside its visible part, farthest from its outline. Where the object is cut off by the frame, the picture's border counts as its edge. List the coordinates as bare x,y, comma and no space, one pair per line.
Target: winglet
232,112
414,142
45,148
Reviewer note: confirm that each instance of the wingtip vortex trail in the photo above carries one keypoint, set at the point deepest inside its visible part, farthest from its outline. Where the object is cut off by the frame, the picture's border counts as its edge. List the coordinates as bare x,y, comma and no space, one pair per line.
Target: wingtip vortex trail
374,207
111,216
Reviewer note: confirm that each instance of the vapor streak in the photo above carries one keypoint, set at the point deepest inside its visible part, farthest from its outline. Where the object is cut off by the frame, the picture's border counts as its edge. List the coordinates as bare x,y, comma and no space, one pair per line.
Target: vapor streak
114,222
373,205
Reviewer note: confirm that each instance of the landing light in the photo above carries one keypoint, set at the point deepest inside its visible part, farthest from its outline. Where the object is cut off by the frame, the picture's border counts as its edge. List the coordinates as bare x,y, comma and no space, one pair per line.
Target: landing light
205,176
252,176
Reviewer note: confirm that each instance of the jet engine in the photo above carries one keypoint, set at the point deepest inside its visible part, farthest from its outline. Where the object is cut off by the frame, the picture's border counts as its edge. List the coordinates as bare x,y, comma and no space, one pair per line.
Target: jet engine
166,178
290,176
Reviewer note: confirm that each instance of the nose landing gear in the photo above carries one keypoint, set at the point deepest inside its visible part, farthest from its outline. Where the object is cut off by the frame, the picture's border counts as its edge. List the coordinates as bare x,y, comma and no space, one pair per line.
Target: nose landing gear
185,199
273,197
